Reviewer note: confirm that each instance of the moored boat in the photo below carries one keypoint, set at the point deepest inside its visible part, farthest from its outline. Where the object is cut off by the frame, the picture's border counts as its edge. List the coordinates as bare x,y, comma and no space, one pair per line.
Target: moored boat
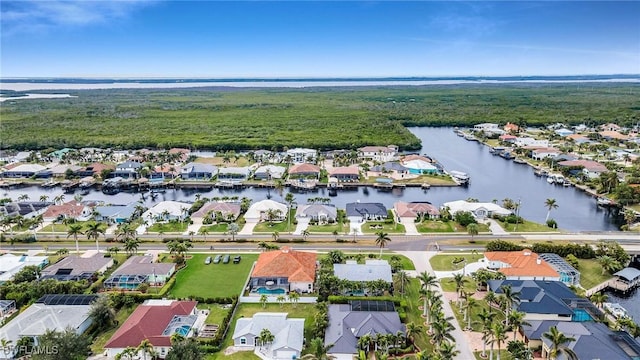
616,310
461,178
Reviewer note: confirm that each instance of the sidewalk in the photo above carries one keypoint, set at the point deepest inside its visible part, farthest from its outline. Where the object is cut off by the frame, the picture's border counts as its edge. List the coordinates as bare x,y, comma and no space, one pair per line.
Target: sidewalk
421,261
495,228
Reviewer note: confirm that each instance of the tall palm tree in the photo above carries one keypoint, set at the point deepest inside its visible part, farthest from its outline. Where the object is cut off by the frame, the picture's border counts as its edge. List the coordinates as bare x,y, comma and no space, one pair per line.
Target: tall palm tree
550,204
448,350
93,231
486,319
473,230
510,297
499,336
460,280
442,328
469,304
146,347
294,297
599,298
75,230
382,240
516,319
402,279
608,263
558,343
318,350
412,330
263,300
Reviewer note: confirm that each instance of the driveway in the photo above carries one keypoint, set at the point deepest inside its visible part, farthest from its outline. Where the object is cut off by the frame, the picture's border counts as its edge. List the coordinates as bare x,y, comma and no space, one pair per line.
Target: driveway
495,228
247,229
303,224
409,225
421,261
195,227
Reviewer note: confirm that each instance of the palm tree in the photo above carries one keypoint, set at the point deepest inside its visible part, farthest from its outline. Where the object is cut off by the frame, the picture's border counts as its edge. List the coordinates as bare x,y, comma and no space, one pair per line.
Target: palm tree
509,297
93,231
448,350
412,330
442,328
472,229
263,300
486,319
75,230
275,235
499,336
294,297
516,319
318,350
608,264
204,231
460,280
305,234
469,305
382,240
402,279
146,347
550,204
289,199
266,337
599,298
131,246
280,299
233,229
629,217
44,198
558,343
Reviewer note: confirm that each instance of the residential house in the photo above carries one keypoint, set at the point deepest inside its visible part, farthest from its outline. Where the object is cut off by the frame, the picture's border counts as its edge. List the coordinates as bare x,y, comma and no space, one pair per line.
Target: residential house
263,156
288,335
418,165
359,212
529,141
167,211
156,321
394,167
61,170
349,322
283,270
234,174
547,300
114,214
304,171
300,155
345,173
23,171
127,170
198,171
260,211
182,154
591,169
11,157
478,209
610,127
165,171
378,153
26,209
579,139
414,210
563,132
520,265
488,128
11,264
568,274
7,307
49,313
94,169
229,211
371,270
511,128
508,138
613,135
137,270
322,213
540,153
269,172
69,210
78,267
593,340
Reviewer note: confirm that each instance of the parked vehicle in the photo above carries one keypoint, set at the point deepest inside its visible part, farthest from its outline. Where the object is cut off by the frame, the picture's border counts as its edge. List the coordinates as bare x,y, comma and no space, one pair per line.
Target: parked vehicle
236,259
217,259
225,259
207,261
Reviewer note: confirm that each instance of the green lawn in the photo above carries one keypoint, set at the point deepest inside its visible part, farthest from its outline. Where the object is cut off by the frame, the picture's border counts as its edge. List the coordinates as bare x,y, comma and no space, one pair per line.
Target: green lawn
213,280
340,228
394,228
282,227
444,262
407,264
217,312
527,226
448,285
504,354
475,321
591,273
217,228
98,342
435,226
414,314
168,227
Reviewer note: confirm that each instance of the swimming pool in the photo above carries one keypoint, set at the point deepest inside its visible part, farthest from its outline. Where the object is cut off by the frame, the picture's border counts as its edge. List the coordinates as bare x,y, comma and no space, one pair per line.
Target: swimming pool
183,330
265,291
581,315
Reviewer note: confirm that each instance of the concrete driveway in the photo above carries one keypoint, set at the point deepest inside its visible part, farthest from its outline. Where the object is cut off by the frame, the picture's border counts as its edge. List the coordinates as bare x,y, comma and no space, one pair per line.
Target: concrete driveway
409,226
303,224
247,229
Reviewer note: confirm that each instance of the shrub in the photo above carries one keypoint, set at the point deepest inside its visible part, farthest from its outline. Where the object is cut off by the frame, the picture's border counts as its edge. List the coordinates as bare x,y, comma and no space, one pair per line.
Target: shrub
552,224
465,218
501,245
338,240
573,261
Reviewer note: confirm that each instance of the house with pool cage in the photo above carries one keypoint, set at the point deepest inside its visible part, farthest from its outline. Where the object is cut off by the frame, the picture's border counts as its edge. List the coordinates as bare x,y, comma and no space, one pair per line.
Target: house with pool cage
281,271
137,270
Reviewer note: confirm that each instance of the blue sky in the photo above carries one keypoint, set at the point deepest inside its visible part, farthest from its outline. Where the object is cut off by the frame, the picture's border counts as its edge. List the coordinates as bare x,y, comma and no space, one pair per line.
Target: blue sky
317,39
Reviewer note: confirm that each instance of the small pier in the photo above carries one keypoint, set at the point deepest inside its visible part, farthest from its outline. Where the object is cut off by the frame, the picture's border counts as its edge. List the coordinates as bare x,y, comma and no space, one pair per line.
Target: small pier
625,280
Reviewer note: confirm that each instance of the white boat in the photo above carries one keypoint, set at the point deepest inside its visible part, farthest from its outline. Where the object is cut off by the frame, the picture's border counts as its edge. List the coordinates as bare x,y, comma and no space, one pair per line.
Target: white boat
551,179
461,178
616,310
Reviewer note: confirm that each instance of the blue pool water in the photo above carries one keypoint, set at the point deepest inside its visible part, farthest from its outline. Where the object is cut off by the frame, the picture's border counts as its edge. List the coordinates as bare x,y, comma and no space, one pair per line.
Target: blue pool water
263,290
580,315
183,330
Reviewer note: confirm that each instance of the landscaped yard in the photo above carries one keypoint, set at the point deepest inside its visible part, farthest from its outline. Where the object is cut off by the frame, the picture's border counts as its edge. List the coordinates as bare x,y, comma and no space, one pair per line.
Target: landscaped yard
213,280
98,343
168,227
444,262
591,273
284,226
217,228
406,263
414,314
217,312
527,226
329,228
436,226
372,227
448,285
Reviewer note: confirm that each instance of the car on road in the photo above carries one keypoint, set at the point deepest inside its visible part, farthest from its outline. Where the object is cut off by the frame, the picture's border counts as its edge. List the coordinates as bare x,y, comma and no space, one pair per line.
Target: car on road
236,259
207,261
225,259
217,259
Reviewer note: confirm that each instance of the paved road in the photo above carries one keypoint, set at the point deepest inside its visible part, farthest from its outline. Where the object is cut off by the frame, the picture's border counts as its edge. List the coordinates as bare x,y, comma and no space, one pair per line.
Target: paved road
421,261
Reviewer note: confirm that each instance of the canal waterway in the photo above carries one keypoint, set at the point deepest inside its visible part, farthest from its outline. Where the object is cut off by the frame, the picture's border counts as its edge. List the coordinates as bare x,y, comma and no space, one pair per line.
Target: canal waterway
491,178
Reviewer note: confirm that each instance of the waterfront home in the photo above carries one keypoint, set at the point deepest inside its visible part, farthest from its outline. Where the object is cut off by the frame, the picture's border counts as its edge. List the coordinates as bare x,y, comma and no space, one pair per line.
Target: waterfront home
378,153
371,270
508,138
114,214
11,264
563,132
94,169
547,300
359,212
300,155
511,128
540,153
304,171
613,135
486,127
61,170
181,154
127,170
590,169
234,174
390,167
49,313
520,265
626,279
78,267
479,210
610,127
345,173
321,213
137,270
268,172
11,157
262,210
593,340
165,171
529,141
69,210
167,211
568,274
7,307
349,322
23,170
419,165
156,321
198,171
288,335
228,211
415,210
283,270
26,209
579,139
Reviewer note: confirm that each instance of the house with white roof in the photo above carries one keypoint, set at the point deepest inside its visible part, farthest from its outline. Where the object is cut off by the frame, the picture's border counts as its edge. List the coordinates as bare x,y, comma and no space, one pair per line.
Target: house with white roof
268,172
234,174
259,210
371,270
478,209
288,335
167,211
529,141
378,153
195,171
23,171
300,155
11,264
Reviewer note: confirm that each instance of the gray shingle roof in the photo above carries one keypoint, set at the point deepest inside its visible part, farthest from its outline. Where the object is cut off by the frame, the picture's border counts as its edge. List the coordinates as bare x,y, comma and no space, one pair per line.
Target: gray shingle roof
143,265
363,209
540,297
287,332
370,271
78,265
317,210
628,273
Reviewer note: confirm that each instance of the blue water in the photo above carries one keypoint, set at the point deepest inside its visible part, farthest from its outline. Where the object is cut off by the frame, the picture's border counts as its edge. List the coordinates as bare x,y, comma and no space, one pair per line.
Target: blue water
263,290
183,330
581,315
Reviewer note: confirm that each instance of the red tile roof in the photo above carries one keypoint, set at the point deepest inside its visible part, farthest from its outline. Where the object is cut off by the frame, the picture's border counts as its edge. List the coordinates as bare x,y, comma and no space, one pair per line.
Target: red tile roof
304,169
345,170
415,157
71,209
404,209
148,322
295,265
587,164
521,263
